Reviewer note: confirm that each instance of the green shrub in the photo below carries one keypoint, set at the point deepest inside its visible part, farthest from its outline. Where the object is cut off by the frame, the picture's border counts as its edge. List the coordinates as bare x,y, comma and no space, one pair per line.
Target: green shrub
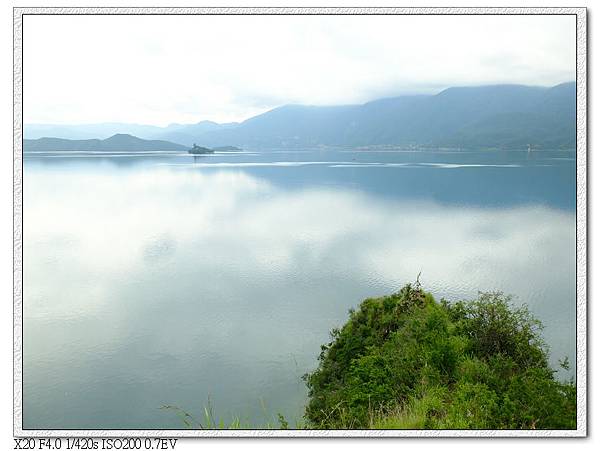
407,361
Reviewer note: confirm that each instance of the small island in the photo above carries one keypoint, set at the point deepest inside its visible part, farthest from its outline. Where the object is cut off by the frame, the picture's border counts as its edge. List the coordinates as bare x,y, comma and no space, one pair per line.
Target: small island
197,150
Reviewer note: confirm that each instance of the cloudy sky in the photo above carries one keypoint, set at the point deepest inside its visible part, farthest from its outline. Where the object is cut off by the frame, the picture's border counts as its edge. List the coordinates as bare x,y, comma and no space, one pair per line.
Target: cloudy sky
164,69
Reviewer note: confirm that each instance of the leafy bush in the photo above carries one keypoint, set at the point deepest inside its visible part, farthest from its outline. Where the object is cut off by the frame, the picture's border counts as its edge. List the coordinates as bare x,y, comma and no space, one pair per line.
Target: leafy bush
407,361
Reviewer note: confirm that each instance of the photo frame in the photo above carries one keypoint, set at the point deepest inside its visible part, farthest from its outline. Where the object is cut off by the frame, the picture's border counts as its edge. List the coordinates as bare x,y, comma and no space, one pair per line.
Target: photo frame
20,70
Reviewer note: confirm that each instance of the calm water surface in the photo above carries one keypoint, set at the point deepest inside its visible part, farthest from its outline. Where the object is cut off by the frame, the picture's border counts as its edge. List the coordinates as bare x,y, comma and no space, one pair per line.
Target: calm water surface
170,279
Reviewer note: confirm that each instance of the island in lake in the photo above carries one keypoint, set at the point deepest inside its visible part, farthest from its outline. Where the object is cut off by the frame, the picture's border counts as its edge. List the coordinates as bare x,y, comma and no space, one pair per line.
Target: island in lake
198,150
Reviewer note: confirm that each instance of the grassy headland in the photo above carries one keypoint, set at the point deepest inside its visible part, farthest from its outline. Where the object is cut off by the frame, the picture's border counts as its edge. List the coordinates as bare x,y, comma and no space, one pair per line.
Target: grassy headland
406,361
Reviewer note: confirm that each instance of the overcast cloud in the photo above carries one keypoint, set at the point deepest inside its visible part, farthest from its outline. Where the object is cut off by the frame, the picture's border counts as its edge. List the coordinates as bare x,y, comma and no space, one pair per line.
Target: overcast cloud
163,69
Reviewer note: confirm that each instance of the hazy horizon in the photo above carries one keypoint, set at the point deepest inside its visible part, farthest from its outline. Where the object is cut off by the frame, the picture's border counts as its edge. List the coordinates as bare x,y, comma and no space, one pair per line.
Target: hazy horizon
200,120
229,68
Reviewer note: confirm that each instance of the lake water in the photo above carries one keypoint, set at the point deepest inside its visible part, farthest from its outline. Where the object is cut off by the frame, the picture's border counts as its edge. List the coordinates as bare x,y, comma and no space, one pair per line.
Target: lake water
167,279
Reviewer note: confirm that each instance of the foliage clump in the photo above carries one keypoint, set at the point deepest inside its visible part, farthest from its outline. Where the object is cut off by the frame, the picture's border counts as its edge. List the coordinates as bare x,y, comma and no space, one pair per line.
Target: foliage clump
407,361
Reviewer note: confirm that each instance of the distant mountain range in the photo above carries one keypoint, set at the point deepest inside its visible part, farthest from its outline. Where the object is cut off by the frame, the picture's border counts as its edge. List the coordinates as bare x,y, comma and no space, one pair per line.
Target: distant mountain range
498,116
183,134
118,142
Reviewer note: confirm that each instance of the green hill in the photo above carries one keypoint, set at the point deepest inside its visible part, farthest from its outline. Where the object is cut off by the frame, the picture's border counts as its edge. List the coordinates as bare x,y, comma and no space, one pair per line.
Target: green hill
407,361
503,116
116,143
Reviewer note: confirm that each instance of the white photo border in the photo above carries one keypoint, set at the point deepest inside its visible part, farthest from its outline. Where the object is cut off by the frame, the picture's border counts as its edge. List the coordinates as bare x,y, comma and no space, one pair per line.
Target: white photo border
581,220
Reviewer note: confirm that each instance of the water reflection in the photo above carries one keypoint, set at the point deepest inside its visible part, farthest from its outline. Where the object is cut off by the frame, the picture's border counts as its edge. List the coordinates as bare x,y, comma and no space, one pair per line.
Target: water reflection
153,286
481,178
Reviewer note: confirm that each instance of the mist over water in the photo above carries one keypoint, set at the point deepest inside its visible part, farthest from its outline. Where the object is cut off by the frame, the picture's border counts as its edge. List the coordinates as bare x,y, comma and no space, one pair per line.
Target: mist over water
169,279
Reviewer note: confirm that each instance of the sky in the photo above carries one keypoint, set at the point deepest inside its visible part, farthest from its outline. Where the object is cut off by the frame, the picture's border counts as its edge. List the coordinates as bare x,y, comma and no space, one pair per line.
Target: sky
183,69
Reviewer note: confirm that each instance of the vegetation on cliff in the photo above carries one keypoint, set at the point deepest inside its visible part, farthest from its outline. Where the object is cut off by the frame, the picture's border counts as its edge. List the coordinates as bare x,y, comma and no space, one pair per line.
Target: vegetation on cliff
407,361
